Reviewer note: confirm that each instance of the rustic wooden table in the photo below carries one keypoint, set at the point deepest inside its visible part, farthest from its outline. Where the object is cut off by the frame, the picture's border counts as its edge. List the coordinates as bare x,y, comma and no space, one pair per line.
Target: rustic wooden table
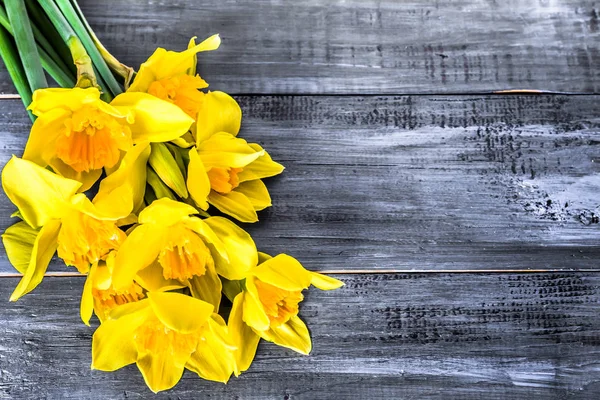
464,222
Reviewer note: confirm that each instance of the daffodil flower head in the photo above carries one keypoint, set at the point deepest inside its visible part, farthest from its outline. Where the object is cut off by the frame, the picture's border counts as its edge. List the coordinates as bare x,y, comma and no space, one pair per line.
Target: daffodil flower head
55,216
183,248
267,307
100,297
224,170
164,334
171,76
78,135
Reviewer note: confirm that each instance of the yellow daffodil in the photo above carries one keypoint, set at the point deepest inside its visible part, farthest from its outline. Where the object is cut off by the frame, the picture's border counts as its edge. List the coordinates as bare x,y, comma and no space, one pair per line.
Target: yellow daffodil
56,217
79,135
164,334
185,249
267,306
225,170
100,297
171,76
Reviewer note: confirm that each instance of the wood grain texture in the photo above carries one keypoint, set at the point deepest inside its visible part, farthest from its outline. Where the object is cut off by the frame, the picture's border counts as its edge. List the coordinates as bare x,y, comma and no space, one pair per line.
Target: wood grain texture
417,183
371,46
441,336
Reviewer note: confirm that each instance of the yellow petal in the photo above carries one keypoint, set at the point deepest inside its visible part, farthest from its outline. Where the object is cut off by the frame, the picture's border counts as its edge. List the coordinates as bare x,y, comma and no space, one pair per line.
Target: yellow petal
219,113
39,194
81,203
43,249
244,338
18,241
212,359
198,183
235,204
73,99
87,179
205,231
224,150
41,145
179,312
113,343
207,287
166,212
325,282
262,257
103,272
162,370
131,308
253,311
155,120
139,250
240,247
165,64
262,167
256,192
151,278
185,142
285,272
191,70
86,307
126,186
293,334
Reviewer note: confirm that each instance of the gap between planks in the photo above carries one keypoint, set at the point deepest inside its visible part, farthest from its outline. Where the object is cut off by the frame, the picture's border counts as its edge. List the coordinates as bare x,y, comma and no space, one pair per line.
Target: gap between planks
373,272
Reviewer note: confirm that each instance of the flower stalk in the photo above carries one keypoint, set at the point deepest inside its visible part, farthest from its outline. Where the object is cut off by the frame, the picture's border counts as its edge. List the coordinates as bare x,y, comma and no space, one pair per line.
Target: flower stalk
122,70
82,33
28,51
60,74
8,52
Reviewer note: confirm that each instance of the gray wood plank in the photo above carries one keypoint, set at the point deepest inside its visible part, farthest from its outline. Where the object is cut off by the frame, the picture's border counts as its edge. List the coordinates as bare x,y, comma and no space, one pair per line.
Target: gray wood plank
371,46
417,183
435,336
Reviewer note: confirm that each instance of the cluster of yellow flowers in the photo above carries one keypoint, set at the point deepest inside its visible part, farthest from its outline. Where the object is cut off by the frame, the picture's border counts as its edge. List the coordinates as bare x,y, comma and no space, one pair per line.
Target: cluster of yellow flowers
156,262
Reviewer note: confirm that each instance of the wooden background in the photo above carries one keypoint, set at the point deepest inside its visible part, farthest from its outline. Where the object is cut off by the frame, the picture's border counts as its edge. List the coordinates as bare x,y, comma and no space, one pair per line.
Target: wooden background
465,223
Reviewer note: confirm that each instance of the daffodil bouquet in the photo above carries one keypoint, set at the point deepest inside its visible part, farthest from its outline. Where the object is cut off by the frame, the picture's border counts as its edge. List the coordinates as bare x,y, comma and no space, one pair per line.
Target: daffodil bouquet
120,175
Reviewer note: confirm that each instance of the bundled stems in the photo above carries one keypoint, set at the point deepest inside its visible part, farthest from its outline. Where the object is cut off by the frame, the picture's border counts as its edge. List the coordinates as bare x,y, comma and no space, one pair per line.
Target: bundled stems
85,72
47,36
15,69
119,68
56,71
73,19
28,51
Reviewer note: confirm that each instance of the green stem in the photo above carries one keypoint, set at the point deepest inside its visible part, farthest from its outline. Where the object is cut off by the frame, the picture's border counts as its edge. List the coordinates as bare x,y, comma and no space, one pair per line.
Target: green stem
73,19
8,52
118,68
28,51
57,73
61,55
85,71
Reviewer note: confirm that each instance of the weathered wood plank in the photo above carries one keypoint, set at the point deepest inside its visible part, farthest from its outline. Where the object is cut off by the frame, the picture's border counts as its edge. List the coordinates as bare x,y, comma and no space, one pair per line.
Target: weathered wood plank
421,182
450,336
371,46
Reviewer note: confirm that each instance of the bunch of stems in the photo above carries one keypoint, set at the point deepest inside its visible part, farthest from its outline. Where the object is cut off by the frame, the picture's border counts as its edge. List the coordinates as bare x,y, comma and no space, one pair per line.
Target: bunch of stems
40,38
